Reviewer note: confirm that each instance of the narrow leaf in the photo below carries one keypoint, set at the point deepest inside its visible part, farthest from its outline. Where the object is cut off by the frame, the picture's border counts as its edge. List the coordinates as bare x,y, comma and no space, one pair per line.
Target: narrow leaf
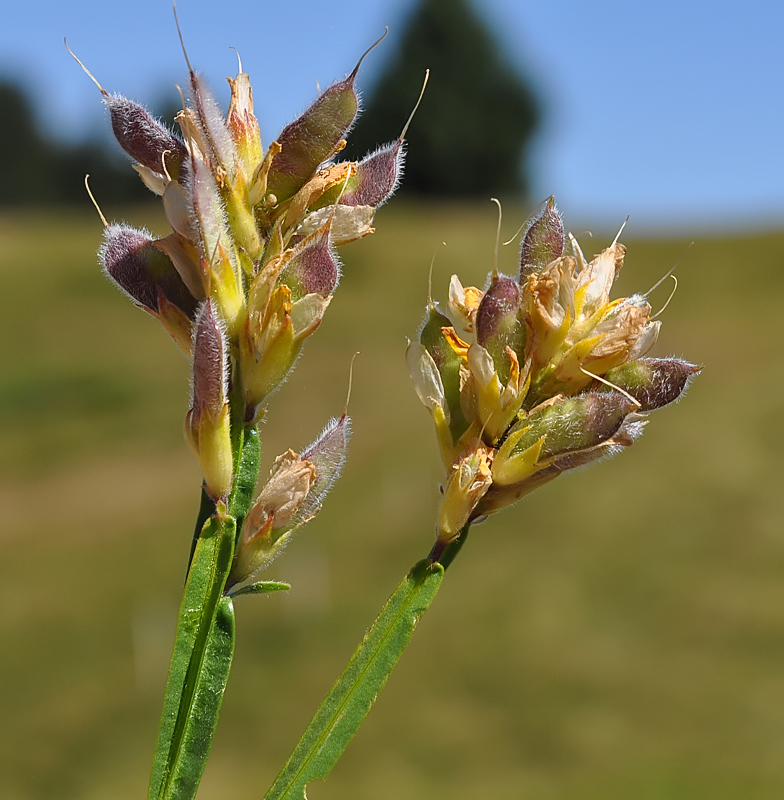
199,667
352,697
261,587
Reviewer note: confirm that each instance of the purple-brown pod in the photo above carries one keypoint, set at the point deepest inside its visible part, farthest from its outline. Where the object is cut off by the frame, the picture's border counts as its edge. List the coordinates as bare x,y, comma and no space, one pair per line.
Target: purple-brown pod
131,260
543,240
143,137
653,382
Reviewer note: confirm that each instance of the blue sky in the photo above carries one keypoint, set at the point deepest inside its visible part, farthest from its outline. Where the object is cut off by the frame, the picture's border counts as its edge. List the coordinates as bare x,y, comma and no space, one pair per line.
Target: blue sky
672,112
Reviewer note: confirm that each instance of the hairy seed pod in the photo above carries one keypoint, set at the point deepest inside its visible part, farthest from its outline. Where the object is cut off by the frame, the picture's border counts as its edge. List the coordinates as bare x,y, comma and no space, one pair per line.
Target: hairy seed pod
378,175
142,271
143,137
313,268
653,382
210,363
543,240
312,138
499,324
328,455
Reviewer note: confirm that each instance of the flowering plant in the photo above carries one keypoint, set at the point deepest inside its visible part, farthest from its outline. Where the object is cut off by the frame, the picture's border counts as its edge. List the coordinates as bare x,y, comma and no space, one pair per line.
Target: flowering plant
535,375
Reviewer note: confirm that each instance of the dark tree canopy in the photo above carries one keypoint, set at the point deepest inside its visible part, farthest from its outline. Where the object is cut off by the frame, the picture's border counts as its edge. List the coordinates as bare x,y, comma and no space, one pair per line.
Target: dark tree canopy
476,119
38,170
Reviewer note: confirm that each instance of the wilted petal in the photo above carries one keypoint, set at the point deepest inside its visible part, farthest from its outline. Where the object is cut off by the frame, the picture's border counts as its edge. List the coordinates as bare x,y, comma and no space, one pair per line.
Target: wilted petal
463,304
348,223
307,313
425,375
468,481
595,281
648,337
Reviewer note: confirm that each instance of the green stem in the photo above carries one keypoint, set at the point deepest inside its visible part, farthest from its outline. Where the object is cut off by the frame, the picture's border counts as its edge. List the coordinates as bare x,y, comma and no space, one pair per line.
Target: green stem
206,510
445,554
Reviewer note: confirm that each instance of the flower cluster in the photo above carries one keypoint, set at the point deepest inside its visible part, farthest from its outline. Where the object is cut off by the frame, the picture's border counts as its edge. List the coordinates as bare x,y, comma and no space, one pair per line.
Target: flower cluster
248,271
538,374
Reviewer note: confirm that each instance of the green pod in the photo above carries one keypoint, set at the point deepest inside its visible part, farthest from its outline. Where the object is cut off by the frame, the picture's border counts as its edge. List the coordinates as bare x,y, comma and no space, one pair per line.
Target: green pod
448,364
572,424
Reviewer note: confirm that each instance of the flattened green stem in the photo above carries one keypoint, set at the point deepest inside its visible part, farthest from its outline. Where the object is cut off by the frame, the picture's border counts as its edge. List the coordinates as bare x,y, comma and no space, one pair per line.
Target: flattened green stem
206,510
247,454
199,668
352,697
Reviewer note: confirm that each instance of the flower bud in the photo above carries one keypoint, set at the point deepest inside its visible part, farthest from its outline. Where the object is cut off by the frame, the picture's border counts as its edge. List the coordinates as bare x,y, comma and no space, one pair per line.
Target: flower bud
555,429
144,138
131,259
207,423
652,382
543,240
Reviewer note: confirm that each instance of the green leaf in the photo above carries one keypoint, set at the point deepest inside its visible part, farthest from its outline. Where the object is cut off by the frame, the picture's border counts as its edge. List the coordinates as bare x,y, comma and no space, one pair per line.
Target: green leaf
352,697
199,669
260,587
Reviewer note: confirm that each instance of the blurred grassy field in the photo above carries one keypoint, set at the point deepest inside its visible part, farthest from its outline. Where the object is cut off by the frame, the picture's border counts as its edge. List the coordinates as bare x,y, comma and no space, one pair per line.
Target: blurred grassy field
619,634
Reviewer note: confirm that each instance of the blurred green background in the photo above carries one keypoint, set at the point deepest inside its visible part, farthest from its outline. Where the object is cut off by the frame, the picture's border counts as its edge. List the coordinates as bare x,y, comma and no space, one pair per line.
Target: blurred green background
618,634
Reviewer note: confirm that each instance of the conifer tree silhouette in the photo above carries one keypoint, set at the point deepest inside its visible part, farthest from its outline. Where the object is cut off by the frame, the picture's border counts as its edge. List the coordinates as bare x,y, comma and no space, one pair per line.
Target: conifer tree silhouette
478,114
